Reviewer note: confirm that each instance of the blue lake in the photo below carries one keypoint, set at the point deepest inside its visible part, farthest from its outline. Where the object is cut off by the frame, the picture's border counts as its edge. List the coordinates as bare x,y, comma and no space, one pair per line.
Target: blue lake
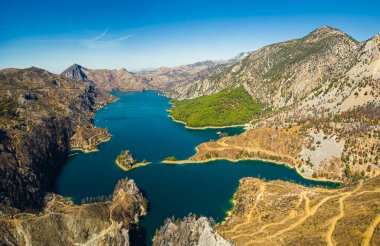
139,122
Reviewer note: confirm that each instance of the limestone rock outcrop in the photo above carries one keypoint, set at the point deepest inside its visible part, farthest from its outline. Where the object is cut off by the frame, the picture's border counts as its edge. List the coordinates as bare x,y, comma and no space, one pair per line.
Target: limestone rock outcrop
191,231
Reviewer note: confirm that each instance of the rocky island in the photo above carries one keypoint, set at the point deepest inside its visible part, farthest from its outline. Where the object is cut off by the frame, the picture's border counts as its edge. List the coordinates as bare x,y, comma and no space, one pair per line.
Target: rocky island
126,161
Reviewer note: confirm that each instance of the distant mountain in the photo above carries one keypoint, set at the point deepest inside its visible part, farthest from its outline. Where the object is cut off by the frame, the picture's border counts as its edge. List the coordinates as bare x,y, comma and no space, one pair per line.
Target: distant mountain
106,79
76,72
159,79
281,73
322,86
239,56
165,78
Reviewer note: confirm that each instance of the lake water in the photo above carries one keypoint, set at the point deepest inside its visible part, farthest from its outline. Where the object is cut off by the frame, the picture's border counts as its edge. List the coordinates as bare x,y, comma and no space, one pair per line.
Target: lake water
139,122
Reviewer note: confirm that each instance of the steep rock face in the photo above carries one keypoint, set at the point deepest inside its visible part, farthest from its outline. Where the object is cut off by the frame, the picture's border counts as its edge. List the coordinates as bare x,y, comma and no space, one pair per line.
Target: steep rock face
358,86
189,231
76,72
62,222
40,112
282,73
368,61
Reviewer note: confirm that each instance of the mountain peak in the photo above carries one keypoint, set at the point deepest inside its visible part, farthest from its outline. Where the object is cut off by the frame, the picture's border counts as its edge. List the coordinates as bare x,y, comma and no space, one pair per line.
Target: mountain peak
75,72
376,38
75,65
328,31
325,30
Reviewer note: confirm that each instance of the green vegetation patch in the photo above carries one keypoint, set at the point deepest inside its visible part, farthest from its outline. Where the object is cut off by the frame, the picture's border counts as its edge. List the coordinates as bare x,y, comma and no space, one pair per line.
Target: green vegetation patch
170,158
228,107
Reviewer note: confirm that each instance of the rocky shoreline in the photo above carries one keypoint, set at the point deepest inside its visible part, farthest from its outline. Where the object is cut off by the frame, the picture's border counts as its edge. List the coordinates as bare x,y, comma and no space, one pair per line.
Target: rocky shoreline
47,115
103,223
291,146
126,162
205,127
283,213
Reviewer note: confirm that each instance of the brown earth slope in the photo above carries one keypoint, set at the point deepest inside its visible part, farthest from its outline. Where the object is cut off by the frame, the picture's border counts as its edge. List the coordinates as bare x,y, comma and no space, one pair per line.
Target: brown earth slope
342,151
282,213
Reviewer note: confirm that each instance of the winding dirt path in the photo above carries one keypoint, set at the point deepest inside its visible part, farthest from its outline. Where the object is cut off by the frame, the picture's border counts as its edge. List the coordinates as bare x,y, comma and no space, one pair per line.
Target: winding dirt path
308,213
335,219
250,215
368,234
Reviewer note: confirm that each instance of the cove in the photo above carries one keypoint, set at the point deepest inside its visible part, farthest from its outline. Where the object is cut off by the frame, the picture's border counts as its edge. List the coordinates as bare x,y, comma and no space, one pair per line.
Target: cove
139,122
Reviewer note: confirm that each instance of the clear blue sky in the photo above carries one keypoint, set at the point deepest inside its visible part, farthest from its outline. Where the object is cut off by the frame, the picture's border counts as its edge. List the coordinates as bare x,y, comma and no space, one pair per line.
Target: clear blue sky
54,34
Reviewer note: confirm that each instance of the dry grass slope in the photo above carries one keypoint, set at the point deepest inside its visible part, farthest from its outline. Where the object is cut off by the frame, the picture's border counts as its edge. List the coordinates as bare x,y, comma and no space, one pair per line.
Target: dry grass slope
280,213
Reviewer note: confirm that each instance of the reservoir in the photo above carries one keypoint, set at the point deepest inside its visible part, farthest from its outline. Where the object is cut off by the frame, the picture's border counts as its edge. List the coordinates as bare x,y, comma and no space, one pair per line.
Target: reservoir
139,122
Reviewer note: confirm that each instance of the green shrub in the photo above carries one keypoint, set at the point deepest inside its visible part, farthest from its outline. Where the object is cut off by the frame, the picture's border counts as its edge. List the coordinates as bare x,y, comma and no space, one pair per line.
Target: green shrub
228,107
170,158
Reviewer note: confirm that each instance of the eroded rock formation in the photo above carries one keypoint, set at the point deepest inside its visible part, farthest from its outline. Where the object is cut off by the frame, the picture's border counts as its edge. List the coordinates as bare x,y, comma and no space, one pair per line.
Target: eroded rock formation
63,223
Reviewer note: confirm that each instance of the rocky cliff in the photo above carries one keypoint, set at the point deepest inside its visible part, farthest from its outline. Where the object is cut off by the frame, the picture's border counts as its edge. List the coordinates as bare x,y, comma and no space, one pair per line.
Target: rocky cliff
189,231
40,112
63,223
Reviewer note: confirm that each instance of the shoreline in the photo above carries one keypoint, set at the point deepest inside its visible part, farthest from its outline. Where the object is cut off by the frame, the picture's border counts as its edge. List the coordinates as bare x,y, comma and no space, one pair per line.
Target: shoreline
134,166
205,127
93,149
184,162
187,161
93,124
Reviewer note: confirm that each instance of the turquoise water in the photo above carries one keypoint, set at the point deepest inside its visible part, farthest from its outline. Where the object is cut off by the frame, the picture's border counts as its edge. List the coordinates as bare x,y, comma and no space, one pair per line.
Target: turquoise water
139,122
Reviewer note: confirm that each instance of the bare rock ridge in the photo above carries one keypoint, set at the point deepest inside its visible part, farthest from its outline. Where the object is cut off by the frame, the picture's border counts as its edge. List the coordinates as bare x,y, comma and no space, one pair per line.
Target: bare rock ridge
62,222
189,231
40,113
282,73
76,72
